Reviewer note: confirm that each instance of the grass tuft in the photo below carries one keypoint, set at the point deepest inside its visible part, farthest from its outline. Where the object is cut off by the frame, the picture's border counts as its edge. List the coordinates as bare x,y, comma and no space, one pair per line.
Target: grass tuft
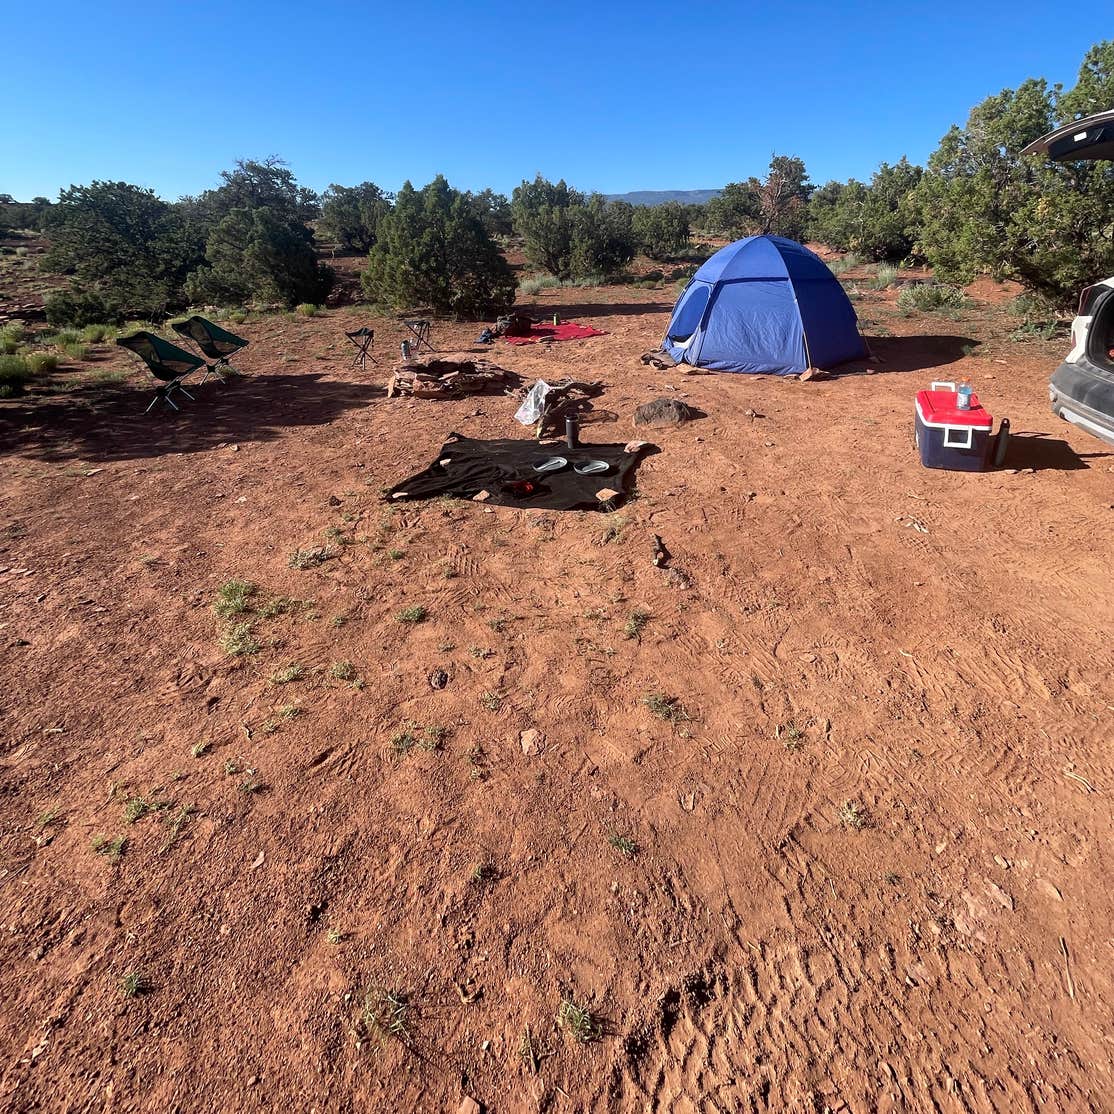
414,614
668,708
134,985
232,598
239,640
386,1014
578,1021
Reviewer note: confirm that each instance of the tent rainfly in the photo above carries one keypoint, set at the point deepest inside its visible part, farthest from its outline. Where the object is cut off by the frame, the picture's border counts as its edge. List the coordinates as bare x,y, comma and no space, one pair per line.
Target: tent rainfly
764,305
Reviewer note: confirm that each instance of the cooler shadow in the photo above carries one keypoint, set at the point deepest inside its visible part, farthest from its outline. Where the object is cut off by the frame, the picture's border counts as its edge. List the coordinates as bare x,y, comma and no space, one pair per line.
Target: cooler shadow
905,354
107,422
1043,453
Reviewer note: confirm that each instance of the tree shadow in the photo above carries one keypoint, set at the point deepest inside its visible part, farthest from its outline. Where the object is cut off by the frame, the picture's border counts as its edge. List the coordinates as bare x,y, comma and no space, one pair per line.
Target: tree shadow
577,310
1043,453
904,354
107,422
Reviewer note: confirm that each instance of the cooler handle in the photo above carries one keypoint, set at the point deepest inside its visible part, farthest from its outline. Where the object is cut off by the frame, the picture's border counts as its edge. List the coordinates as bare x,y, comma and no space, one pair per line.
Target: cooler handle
941,385
966,436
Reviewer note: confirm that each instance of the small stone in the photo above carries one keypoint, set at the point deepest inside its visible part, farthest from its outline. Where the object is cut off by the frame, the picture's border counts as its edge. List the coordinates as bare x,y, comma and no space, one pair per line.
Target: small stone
531,741
469,1106
334,501
438,679
1003,863
999,895
234,448
663,412
1049,890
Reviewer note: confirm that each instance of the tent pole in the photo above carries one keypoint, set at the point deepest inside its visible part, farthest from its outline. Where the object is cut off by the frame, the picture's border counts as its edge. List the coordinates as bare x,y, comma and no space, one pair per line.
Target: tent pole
804,335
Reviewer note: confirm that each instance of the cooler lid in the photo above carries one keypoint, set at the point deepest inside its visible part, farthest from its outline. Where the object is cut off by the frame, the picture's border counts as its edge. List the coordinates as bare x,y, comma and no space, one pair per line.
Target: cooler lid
937,408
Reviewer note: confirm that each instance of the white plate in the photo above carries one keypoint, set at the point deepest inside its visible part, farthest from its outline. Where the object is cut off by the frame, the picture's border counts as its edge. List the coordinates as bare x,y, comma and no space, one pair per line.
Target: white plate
551,464
592,467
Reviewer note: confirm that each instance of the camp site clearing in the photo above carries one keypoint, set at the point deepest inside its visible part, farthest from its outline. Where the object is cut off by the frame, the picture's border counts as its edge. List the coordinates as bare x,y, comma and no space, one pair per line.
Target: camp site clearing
447,800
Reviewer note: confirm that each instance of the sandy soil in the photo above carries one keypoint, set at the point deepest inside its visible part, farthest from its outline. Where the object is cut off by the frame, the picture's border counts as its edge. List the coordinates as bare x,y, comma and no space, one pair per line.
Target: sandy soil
865,867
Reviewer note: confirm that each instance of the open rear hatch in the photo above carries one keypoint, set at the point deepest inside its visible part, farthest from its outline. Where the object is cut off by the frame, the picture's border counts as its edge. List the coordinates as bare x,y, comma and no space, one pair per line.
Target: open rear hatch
1090,139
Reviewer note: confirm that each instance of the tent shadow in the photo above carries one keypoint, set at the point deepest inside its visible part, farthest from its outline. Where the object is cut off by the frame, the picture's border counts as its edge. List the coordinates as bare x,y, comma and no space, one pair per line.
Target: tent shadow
1043,453
905,354
106,423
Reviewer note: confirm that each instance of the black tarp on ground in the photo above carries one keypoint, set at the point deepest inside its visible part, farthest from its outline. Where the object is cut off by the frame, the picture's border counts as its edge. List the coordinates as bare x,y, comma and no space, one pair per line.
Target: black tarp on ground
464,467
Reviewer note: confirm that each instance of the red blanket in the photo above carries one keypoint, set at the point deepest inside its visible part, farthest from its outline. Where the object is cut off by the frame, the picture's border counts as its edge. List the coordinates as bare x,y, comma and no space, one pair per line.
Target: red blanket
567,330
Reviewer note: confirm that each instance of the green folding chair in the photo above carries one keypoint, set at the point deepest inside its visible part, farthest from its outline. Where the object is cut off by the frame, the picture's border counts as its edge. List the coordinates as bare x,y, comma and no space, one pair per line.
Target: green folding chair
167,362
215,342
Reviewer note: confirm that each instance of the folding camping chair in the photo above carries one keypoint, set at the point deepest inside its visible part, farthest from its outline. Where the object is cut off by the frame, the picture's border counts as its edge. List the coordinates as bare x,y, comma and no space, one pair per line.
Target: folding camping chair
214,341
420,329
363,339
167,363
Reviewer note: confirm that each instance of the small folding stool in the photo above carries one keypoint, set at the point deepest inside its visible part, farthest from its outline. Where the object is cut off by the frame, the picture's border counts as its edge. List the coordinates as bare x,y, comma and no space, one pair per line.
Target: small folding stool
420,329
363,339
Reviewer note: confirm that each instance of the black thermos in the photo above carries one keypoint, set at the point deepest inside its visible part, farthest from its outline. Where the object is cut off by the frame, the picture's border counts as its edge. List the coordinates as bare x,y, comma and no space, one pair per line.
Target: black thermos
572,428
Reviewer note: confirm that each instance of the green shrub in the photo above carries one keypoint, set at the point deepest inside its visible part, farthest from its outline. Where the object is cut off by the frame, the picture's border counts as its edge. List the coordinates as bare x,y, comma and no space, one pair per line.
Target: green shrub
237,317
434,250
74,349
62,337
350,215
536,283
9,346
79,309
308,309
985,207
14,375
42,362
886,275
661,230
122,244
847,263
932,296
98,334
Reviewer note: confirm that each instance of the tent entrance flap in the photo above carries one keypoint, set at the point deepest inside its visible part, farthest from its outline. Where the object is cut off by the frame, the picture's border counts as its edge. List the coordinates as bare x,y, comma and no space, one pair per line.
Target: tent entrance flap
688,313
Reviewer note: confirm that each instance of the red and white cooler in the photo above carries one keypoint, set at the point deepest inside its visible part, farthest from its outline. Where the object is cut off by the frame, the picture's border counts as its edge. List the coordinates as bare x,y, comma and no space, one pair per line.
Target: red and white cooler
951,438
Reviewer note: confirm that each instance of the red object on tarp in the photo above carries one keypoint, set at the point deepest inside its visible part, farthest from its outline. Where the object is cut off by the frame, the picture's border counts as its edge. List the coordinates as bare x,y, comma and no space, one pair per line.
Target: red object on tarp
567,330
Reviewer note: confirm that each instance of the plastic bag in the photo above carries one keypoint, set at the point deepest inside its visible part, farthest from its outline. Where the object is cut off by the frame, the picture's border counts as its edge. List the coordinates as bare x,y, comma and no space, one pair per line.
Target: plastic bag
533,405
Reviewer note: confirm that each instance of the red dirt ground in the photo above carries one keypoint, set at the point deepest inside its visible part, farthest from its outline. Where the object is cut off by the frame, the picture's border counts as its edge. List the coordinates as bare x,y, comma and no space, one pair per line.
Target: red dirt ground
933,648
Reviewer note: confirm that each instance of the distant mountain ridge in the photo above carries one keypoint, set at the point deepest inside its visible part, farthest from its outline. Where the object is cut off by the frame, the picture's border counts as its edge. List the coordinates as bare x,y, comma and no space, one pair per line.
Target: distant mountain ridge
660,197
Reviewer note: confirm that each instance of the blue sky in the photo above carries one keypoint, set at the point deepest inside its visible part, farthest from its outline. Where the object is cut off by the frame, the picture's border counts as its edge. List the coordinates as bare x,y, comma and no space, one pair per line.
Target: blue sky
611,96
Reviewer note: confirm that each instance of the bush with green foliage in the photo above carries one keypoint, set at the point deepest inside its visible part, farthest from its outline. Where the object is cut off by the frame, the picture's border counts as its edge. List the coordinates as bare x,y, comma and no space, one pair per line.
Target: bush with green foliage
931,296
79,309
985,208
542,212
875,220
308,309
603,240
260,255
495,212
42,362
122,245
776,205
15,374
433,250
350,215
661,231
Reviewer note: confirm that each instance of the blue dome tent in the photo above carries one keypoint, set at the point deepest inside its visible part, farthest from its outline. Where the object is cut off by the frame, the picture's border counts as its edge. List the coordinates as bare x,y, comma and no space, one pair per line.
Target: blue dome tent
764,305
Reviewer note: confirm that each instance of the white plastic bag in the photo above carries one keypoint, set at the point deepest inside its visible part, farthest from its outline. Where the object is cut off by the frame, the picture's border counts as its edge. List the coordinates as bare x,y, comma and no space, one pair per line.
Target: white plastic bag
533,405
